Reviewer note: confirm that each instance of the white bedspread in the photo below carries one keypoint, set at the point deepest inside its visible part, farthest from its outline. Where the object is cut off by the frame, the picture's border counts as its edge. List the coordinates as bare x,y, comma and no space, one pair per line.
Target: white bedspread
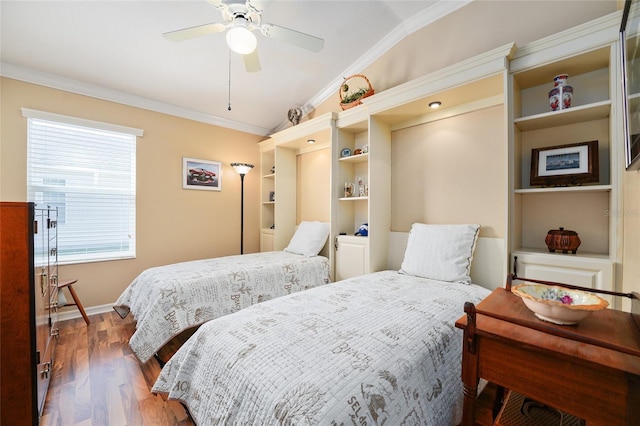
166,300
376,349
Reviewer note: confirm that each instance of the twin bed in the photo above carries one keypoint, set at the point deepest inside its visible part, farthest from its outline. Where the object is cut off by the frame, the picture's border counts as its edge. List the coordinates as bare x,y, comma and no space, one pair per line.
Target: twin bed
381,348
169,300
375,349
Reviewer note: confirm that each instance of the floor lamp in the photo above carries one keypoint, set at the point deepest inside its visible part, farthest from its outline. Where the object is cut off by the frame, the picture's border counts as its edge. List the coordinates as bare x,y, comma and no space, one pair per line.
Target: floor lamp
242,169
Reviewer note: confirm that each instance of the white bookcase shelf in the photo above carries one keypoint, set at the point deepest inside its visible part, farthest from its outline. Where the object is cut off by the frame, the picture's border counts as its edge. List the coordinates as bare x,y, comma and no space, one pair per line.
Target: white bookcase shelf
589,55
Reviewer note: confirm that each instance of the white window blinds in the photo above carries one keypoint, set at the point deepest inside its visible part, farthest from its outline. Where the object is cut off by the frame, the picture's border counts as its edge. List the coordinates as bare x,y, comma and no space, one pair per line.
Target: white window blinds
87,170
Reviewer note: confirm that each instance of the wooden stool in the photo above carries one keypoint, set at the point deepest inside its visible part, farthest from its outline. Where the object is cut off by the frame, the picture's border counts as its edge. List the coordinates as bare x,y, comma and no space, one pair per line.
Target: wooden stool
69,285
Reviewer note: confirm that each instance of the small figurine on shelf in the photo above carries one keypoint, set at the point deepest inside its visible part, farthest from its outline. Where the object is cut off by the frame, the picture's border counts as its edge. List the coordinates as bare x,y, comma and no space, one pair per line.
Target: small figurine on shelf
363,230
348,189
294,115
360,187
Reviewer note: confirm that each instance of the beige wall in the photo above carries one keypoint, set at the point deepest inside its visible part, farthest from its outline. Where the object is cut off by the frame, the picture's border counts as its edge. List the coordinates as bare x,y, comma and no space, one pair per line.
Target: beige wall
474,29
173,224
451,171
313,191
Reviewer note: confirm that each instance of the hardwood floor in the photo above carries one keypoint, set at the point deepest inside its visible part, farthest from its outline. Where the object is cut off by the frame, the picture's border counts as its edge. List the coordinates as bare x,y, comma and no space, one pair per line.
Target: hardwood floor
98,381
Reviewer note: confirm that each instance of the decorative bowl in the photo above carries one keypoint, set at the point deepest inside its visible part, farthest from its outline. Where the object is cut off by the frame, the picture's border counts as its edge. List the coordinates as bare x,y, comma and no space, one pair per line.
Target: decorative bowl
559,305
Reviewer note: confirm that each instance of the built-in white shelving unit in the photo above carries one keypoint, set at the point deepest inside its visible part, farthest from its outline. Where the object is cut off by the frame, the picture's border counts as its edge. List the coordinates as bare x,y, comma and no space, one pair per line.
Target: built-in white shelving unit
279,177
589,54
518,79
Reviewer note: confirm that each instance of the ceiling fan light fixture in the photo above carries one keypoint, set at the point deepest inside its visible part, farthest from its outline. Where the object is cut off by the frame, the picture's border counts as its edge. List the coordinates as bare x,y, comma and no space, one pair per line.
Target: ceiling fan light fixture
241,40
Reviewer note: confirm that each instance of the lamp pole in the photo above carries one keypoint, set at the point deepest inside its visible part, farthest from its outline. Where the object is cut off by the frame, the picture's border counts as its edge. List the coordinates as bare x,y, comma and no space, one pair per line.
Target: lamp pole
242,213
242,169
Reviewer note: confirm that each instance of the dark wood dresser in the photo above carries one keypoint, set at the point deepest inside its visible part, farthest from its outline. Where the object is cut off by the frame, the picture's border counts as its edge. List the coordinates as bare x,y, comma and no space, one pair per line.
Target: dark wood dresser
28,309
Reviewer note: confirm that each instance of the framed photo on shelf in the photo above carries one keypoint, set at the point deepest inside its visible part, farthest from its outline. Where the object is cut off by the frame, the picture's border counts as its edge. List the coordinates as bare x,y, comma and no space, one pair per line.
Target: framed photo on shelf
201,174
565,165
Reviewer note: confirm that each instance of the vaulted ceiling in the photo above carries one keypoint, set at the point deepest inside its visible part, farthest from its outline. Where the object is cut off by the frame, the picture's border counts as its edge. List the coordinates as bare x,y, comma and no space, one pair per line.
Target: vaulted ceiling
116,50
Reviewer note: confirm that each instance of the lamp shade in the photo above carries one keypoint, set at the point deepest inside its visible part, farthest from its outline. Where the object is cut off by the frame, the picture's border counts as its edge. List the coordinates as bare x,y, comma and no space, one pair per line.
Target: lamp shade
241,40
242,168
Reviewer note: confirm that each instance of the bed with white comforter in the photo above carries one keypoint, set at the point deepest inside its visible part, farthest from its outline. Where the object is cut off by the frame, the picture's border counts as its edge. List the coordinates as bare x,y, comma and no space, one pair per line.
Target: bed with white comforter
377,349
167,300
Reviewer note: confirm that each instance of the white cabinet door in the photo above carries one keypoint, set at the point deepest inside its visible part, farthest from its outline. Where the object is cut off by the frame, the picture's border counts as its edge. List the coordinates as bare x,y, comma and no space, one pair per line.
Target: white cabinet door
352,256
585,272
266,240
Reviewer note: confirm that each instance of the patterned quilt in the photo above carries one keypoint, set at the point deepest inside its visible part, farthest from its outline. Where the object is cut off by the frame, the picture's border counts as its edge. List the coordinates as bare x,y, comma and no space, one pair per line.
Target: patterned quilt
167,300
372,350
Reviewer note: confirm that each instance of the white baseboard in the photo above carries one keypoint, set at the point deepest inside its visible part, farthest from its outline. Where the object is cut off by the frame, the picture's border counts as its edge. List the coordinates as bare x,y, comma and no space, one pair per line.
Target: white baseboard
73,312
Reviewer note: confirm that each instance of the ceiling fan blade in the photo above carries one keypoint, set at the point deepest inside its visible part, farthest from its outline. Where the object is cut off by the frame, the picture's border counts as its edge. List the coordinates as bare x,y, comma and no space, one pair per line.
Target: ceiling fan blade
192,32
252,61
297,38
257,5
217,3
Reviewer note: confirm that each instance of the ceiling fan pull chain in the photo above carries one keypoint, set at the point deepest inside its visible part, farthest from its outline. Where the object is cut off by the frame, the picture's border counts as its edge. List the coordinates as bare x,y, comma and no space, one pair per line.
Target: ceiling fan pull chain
229,107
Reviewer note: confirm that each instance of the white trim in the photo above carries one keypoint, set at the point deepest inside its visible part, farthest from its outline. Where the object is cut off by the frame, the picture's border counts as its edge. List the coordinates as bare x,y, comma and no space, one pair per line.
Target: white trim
67,119
49,80
600,32
420,20
74,313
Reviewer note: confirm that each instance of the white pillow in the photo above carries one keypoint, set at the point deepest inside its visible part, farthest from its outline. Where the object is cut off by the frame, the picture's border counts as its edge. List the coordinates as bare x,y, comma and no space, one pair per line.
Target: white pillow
309,238
440,252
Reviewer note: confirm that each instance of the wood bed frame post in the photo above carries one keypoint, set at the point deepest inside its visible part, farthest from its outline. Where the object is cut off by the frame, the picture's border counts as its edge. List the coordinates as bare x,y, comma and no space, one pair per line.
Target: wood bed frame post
469,366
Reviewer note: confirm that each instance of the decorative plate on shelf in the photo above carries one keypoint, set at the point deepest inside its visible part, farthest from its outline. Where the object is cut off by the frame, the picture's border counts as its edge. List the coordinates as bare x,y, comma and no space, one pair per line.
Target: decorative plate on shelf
345,152
559,305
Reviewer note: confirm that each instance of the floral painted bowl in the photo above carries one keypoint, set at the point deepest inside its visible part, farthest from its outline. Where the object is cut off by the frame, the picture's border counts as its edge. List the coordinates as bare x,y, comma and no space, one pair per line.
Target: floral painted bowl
559,305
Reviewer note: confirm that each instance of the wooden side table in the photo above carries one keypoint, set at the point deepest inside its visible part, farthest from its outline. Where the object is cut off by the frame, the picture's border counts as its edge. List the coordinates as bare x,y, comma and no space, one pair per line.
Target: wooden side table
69,285
590,370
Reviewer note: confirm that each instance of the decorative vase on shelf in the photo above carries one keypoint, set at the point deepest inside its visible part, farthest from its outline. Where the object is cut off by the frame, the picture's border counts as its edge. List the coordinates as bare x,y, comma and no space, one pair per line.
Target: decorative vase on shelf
561,95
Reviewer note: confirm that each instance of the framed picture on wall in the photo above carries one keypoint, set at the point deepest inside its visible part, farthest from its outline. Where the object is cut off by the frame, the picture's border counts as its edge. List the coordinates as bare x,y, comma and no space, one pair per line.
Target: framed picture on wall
565,165
630,46
201,174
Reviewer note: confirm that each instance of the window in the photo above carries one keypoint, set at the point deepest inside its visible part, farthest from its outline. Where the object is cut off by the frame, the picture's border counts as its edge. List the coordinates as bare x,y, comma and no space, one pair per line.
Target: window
87,170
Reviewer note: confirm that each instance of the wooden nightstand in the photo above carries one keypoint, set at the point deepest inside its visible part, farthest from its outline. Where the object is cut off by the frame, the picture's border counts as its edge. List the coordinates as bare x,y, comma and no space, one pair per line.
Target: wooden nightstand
591,370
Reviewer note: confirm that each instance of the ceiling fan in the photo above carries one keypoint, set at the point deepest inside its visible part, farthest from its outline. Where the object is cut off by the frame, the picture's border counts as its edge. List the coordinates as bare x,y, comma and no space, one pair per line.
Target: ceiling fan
241,19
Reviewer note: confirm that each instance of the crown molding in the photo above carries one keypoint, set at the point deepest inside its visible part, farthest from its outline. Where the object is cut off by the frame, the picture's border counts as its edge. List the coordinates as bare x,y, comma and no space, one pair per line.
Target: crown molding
411,25
587,36
73,86
420,20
